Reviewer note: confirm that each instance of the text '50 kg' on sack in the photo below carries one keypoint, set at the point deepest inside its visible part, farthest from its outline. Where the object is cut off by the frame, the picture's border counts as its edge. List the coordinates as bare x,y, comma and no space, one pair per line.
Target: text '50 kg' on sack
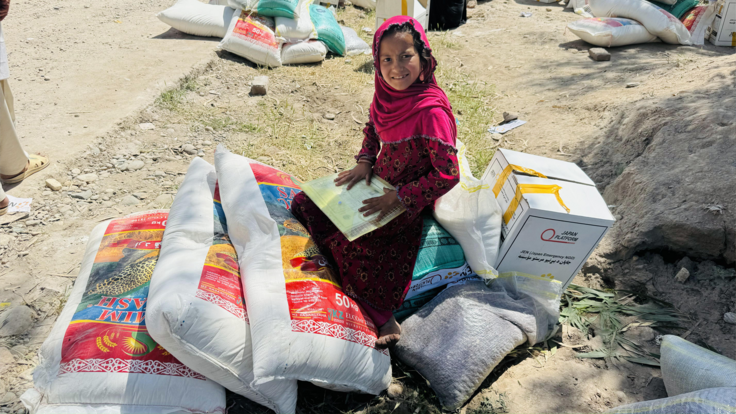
271,8
196,308
252,37
196,18
303,326
611,31
99,357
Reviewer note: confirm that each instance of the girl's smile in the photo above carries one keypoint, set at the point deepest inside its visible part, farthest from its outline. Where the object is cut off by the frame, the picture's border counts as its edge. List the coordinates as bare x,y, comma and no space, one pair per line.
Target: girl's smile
399,61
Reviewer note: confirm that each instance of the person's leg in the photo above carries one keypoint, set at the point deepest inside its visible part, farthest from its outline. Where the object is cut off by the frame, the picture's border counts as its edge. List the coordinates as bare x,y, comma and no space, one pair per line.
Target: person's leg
13,160
389,331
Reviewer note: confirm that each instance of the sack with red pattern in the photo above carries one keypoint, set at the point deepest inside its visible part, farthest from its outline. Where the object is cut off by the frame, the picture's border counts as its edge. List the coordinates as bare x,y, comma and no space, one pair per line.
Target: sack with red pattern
99,357
303,326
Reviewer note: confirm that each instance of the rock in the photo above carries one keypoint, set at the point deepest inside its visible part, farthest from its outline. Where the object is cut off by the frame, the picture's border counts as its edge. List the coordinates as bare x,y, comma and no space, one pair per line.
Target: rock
16,321
209,129
329,116
129,200
30,223
5,240
159,174
367,30
687,264
510,116
189,149
19,351
682,275
730,317
147,126
395,390
6,359
76,171
140,196
2,387
53,184
84,195
88,178
206,143
632,84
9,397
259,86
200,153
620,396
163,201
136,165
599,54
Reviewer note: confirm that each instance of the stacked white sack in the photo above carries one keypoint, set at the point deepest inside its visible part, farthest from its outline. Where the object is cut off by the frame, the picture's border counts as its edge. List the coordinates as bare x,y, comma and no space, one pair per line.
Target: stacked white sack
312,51
252,37
195,305
299,29
656,20
199,19
611,31
99,357
303,326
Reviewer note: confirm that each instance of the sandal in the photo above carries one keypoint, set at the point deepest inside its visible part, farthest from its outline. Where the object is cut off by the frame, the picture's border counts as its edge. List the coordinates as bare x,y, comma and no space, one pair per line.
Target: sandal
4,210
36,163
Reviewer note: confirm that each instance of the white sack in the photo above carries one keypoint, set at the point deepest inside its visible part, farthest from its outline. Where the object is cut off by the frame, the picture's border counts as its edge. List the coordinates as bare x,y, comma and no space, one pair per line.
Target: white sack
698,20
611,31
297,29
219,2
687,367
303,326
658,21
353,43
195,306
470,213
99,357
253,38
311,51
366,4
197,18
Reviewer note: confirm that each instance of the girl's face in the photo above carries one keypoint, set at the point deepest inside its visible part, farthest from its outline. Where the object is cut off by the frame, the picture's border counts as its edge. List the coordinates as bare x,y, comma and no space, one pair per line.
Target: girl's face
400,64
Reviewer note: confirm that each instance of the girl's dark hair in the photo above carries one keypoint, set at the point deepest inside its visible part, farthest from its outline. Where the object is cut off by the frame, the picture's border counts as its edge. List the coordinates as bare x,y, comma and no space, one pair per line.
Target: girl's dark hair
407,27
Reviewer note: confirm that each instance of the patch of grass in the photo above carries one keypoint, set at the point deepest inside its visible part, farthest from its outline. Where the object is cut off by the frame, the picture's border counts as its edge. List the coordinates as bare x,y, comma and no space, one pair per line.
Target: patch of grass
443,39
492,403
228,123
172,98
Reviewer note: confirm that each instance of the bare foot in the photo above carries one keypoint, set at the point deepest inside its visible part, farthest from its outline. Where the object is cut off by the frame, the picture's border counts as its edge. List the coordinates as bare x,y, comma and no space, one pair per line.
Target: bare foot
388,334
7,177
5,202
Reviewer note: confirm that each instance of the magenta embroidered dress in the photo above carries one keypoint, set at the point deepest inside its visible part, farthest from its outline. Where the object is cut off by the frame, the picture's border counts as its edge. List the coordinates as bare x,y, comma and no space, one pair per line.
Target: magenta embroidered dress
411,141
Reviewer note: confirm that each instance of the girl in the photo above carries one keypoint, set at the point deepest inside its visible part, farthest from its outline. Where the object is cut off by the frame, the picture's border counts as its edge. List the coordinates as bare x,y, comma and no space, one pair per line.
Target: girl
412,126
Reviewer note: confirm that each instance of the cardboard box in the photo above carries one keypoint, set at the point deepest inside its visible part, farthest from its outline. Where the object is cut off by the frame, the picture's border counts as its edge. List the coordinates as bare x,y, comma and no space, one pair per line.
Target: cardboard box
386,9
554,216
722,31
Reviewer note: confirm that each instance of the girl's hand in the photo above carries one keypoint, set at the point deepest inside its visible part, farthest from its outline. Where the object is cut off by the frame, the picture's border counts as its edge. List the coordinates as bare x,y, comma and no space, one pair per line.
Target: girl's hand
362,171
383,204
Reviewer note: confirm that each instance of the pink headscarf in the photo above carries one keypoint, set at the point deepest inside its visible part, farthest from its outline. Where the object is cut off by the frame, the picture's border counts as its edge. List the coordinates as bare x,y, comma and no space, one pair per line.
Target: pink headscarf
402,115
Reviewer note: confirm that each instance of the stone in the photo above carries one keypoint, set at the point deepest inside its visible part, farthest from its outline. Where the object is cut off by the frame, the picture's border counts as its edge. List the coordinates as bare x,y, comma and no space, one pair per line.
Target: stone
2,387
395,390
206,143
259,87
9,397
19,351
189,149
30,223
367,30
329,116
88,178
5,240
84,195
136,165
599,54
682,275
200,153
140,196
688,264
76,171
53,184
129,200
632,84
510,116
159,174
6,359
16,321
730,317
163,201
147,126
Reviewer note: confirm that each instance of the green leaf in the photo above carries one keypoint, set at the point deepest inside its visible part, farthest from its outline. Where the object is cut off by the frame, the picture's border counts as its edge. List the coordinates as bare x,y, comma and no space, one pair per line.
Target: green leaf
643,361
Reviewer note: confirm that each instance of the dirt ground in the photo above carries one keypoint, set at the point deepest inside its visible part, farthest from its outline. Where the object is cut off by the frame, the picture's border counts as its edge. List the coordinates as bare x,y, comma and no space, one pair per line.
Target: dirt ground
112,76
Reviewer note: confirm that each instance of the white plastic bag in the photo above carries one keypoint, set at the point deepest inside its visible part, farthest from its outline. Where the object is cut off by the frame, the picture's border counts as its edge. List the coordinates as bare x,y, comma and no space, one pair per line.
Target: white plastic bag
303,326
196,308
354,45
253,37
658,21
297,29
197,18
697,21
611,31
311,51
687,367
99,357
470,213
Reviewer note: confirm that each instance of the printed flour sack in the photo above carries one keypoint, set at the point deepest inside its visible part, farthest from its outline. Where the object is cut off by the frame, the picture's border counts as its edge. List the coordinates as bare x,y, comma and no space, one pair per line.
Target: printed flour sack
195,305
328,30
656,20
611,31
303,326
99,357
252,37
197,18
312,51
470,213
